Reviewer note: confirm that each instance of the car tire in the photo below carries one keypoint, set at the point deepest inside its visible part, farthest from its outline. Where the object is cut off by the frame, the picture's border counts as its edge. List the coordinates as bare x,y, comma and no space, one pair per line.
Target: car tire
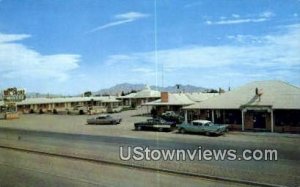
207,133
182,131
160,129
138,128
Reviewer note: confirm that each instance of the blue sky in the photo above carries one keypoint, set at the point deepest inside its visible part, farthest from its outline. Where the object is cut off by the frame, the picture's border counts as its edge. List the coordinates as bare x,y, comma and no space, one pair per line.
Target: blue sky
76,45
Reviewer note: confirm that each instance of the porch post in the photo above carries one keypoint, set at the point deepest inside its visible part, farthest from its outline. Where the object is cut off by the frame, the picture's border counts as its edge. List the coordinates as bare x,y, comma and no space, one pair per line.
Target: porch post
213,116
272,121
243,120
185,116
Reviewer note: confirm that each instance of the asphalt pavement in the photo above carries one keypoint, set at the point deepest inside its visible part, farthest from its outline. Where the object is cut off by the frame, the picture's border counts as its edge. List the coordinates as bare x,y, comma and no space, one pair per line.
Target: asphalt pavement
27,169
284,171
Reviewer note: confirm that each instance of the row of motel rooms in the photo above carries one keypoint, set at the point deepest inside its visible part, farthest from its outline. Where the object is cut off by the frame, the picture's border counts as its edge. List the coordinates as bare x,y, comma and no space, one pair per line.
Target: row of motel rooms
272,106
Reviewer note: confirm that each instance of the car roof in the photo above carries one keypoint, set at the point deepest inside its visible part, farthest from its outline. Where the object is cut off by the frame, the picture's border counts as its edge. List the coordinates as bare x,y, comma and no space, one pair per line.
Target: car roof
201,121
103,115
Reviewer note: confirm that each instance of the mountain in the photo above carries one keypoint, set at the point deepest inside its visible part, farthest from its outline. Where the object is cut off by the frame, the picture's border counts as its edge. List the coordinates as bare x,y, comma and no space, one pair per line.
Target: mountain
183,88
127,87
37,95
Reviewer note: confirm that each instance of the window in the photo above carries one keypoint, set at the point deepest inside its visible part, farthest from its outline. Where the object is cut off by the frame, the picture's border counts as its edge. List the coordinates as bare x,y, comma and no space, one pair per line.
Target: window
196,124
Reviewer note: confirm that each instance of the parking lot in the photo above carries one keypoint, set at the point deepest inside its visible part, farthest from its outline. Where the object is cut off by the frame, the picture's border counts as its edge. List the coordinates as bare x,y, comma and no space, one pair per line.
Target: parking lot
76,124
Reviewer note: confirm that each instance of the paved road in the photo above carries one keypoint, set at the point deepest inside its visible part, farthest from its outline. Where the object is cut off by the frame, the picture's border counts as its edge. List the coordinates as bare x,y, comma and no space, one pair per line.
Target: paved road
285,171
27,169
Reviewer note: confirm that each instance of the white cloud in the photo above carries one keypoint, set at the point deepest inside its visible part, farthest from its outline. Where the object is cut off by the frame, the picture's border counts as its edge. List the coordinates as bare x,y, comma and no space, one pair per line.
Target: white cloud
12,37
131,15
19,62
143,70
208,22
246,39
235,15
119,58
266,57
267,14
237,19
121,19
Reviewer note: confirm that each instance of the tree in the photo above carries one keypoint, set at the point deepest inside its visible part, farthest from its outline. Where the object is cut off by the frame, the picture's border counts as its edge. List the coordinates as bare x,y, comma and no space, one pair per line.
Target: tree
87,94
212,91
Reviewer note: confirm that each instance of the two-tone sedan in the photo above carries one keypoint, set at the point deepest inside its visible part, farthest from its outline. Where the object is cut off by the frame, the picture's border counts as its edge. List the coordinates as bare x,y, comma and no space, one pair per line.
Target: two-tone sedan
104,119
203,126
155,124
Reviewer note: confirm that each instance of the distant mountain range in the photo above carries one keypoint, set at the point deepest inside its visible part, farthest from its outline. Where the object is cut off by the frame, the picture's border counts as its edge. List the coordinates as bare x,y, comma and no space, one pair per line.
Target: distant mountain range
127,88
36,95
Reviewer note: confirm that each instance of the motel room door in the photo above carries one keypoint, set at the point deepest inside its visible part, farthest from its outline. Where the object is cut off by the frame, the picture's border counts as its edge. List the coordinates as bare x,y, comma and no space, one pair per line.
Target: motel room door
259,120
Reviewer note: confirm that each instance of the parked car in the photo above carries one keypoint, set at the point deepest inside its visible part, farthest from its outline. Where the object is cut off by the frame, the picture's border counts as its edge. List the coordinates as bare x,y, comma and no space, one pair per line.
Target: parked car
203,126
104,119
171,116
155,123
78,110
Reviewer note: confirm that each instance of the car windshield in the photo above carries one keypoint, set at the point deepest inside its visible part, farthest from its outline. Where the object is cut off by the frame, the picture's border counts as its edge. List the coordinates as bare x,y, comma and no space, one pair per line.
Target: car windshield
208,124
196,124
103,117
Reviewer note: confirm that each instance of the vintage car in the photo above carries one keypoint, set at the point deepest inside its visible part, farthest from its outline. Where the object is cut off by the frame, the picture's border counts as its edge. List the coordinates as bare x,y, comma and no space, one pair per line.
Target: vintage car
78,110
104,119
171,116
156,124
203,126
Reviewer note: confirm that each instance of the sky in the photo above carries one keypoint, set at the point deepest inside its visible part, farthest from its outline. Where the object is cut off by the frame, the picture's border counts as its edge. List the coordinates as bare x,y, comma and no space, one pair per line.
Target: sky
71,46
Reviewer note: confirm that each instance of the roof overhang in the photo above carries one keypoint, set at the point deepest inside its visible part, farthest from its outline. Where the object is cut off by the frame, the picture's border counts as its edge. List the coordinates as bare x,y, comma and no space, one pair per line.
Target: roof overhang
245,108
167,104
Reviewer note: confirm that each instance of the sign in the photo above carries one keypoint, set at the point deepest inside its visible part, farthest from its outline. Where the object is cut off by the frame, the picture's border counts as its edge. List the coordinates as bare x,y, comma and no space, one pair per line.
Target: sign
13,95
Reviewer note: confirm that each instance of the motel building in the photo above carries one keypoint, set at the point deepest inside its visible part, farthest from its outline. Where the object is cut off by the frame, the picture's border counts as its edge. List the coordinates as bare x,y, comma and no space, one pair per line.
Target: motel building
272,106
140,98
127,100
75,105
176,101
